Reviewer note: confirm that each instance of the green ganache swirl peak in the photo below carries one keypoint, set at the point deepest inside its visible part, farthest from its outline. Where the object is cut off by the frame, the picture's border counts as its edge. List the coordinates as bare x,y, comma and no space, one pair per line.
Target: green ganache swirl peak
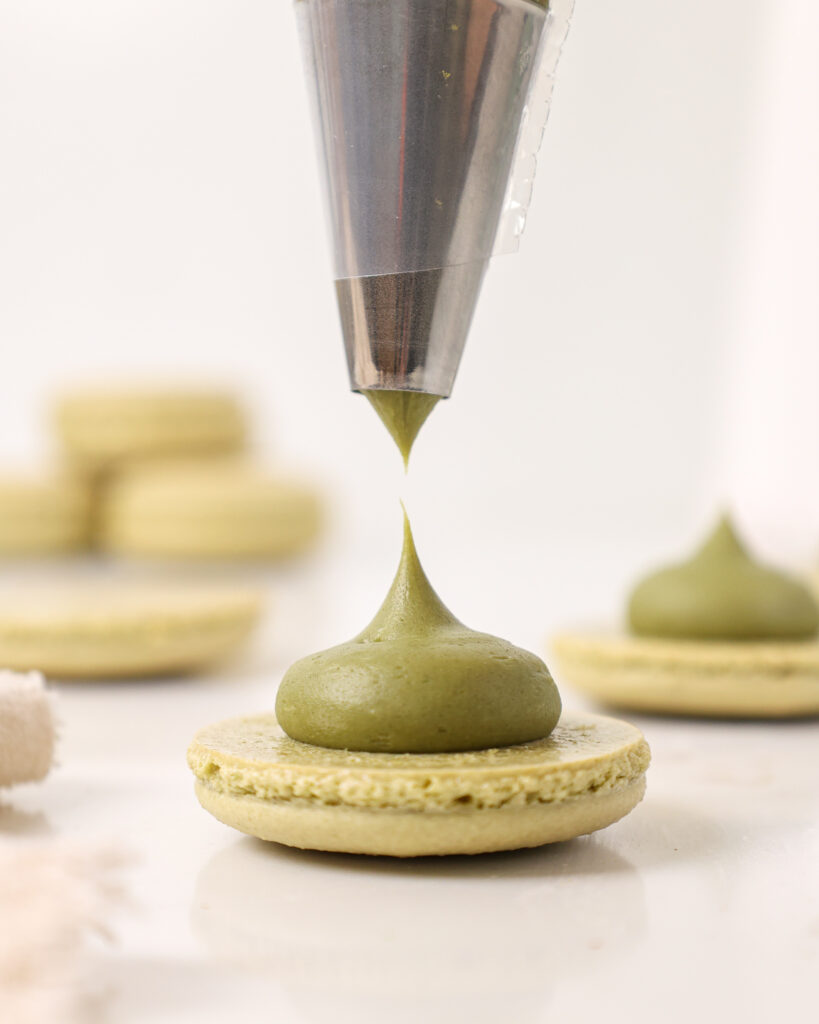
723,594
417,680
403,413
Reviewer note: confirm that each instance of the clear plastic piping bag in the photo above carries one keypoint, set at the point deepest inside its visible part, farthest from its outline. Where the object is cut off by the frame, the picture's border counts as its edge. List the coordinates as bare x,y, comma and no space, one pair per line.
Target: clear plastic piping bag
429,117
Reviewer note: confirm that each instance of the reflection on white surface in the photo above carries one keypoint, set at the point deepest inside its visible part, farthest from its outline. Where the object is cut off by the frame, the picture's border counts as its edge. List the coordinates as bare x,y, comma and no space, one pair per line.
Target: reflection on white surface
712,878
683,911
169,990
488,935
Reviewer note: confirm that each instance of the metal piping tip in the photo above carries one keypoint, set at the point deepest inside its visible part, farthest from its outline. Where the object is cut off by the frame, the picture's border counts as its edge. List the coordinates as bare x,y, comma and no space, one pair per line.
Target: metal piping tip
419,106
406,332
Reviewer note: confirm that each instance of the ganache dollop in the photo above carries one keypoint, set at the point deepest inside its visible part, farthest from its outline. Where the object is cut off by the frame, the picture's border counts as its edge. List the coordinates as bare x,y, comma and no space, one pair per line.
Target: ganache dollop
417,680
722,593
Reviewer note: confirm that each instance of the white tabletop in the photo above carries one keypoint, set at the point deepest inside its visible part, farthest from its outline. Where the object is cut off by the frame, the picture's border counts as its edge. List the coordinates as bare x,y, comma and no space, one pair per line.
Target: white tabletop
700,905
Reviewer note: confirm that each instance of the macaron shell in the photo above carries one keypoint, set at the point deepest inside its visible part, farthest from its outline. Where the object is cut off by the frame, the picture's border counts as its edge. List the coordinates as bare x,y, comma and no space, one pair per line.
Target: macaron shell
44,515
586,775
408,834
123,632
748,679
107,426
209,510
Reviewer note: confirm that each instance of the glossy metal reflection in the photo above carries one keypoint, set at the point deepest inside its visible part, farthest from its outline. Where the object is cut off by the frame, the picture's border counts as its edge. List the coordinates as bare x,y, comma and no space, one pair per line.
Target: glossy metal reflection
419,105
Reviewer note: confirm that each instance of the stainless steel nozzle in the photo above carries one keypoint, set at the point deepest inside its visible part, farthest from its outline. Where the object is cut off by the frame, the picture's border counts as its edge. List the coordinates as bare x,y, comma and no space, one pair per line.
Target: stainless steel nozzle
419,105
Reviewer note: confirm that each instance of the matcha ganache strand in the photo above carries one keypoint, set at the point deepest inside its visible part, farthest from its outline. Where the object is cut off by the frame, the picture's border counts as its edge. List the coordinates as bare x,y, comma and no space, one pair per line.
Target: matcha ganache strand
416,680
403,413
723,594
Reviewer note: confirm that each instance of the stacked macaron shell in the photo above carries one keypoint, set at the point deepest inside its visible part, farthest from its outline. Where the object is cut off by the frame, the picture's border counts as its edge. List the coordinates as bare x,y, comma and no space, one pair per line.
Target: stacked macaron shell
163,472
215,509
44,514
108,427
148,471
175,479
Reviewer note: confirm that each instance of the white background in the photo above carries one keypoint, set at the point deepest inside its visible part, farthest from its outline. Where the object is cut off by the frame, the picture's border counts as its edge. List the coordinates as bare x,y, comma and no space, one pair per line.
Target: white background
649,355
159,211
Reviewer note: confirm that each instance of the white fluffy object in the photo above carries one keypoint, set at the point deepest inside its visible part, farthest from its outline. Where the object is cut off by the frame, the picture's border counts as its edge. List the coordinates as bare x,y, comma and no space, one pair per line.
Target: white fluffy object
52,897
26,728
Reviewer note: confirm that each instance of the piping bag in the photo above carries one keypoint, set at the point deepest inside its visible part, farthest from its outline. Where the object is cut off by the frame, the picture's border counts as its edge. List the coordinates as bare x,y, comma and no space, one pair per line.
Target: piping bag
428,116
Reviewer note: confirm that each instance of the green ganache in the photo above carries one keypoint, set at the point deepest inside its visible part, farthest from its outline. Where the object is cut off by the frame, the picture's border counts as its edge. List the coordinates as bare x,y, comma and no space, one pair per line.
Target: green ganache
723,594
417,680
403,413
